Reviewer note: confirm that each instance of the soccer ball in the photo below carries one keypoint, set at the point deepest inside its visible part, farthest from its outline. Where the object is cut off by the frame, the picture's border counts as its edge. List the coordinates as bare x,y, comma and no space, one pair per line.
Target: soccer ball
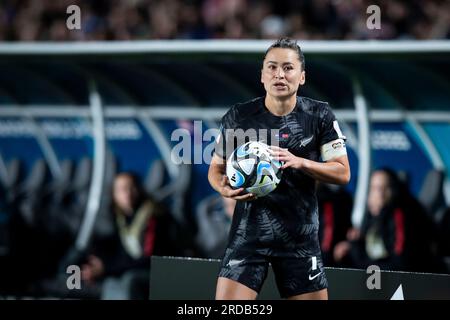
251,166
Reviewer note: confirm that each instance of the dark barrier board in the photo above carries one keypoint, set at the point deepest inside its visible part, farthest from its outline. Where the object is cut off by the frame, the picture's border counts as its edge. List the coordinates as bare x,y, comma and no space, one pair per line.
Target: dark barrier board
175,278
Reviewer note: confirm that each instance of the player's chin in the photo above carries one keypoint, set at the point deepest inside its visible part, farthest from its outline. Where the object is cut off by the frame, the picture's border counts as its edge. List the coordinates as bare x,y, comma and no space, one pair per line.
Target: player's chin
281,93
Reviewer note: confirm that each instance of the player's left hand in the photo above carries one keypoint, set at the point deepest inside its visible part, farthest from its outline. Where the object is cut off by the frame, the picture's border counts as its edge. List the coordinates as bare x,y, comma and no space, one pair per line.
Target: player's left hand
290,161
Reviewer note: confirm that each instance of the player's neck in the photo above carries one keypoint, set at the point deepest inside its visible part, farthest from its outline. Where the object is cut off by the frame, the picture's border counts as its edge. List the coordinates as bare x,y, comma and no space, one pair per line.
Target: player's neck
280,107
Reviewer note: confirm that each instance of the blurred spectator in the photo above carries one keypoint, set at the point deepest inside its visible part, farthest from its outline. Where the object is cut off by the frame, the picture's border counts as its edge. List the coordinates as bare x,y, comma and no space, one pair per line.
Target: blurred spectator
122,260
273,27
214,221
28,20
395,234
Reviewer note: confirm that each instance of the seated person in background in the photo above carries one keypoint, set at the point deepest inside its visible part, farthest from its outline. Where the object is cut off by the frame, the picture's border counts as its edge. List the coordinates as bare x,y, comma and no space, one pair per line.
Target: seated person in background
335,209
395,233
214,222
122,260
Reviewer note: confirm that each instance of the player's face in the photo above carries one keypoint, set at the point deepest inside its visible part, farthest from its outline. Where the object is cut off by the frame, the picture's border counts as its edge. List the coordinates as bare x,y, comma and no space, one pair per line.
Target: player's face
282,73
125,193
380,192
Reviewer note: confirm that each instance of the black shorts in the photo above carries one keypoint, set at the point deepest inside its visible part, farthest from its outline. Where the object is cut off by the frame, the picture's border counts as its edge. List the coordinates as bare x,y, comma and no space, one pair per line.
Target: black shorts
293,275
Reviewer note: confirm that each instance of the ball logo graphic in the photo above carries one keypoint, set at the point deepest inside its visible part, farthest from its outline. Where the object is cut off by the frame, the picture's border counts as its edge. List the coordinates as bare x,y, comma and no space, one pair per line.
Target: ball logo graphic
251,166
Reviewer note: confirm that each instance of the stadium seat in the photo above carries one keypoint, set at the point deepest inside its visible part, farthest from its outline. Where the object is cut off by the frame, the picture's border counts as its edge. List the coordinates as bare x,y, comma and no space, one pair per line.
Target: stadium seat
78,191
60,185
431,195
104,224
155,177
56,202
82,174
4,230
444,232
31,192
176,190
11,186
212,223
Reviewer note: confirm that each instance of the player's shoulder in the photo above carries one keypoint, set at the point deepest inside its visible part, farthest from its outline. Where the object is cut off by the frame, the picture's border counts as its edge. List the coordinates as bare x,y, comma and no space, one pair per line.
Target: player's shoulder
314,107
243,110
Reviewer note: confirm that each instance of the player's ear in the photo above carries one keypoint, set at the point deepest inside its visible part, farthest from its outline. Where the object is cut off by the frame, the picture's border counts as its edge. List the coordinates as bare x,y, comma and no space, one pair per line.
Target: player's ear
302,78
262,76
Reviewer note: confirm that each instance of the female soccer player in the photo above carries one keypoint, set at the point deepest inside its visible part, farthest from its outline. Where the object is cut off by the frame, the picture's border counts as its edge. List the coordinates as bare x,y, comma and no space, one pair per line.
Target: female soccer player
282,227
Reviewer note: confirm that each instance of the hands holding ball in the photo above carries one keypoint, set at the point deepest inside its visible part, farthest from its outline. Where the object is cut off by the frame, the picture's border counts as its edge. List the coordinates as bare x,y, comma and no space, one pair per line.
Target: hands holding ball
255,169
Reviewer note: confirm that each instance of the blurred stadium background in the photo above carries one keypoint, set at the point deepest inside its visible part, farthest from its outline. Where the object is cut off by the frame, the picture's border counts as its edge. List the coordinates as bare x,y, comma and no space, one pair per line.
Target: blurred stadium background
79,106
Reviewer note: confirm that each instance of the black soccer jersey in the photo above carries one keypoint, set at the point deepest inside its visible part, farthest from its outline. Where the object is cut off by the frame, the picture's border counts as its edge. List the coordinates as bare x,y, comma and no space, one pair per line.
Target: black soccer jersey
285,222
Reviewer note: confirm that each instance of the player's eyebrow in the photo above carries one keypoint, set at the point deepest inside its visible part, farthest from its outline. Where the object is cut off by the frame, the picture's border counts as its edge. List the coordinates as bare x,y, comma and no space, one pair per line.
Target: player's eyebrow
283,63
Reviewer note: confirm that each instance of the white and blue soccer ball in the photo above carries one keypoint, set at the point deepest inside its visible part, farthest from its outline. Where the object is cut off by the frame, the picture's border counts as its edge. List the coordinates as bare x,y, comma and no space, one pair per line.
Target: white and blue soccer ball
251,166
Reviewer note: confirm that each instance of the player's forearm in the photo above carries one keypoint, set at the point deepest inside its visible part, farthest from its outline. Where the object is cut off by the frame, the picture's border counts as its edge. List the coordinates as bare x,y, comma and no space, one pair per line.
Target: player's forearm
215,175
328,172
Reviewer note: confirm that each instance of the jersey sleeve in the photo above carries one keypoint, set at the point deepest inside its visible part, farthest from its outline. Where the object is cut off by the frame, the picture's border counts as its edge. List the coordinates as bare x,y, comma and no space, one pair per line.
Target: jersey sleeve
227,123
331,139
329,126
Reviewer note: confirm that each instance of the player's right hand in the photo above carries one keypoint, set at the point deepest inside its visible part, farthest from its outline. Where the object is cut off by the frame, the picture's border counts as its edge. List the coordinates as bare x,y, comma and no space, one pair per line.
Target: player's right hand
236,194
